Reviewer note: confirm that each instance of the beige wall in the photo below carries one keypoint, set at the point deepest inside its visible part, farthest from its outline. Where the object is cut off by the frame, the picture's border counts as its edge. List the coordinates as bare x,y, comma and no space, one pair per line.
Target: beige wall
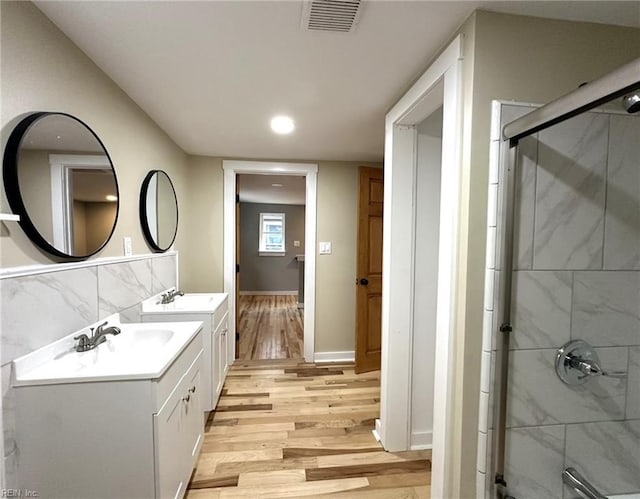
524,59
99,218
80,228
34,177
337,217
200,216
42,70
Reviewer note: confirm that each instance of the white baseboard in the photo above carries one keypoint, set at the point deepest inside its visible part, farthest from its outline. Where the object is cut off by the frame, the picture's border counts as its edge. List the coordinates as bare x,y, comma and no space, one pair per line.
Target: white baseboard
377,431
269,293
348,356
421,440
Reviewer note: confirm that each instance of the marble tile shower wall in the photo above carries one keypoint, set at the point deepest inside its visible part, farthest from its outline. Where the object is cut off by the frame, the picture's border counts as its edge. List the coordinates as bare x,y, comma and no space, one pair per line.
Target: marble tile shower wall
577,276
40,308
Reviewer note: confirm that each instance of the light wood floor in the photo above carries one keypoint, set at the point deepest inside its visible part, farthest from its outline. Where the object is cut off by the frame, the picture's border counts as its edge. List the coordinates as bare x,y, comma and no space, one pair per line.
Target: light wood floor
270,327
292,429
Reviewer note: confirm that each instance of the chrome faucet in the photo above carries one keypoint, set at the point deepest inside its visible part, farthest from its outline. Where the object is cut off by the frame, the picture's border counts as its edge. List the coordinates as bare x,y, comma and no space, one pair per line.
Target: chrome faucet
580,484
170,296
86,343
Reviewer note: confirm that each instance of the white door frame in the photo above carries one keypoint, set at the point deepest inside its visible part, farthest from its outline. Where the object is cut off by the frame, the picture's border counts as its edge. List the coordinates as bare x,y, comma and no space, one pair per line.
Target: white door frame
439,86
62,166
232,168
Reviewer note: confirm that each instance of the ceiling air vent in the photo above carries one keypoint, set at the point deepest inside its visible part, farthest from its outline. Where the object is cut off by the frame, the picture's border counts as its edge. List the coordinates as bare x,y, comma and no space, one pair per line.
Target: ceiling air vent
331,15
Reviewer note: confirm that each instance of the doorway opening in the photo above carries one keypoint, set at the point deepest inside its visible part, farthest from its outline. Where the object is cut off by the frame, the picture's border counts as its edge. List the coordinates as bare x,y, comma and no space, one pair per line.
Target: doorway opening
232,261
271,245
406,266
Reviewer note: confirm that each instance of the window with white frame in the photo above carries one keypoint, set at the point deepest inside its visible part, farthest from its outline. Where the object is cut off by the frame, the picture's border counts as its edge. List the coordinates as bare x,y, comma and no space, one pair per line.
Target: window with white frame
272,234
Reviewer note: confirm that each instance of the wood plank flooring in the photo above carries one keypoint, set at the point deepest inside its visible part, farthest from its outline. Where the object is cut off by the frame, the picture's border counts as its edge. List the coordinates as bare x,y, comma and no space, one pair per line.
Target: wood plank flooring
271,327
293,429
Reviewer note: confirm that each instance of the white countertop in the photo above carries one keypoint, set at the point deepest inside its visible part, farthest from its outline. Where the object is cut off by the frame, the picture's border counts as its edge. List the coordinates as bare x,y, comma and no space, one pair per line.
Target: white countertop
189,303
140,351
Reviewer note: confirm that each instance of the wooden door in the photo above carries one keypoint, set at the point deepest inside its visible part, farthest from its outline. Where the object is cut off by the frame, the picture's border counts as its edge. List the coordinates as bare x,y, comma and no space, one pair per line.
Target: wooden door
369,270
237,290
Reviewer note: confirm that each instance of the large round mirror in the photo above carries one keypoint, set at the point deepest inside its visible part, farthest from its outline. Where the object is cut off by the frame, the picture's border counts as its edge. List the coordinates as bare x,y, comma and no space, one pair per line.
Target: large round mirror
158,210
59,178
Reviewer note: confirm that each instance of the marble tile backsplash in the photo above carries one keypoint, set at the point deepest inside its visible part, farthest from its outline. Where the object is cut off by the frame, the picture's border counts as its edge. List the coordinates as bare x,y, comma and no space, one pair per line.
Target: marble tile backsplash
39,308
122,285
577,276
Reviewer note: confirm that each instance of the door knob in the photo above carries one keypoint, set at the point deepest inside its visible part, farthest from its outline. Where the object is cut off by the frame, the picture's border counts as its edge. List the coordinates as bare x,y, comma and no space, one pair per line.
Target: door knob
364,281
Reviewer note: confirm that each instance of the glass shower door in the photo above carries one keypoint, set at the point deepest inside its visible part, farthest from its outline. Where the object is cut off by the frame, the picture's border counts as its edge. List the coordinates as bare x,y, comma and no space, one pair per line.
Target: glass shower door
575,283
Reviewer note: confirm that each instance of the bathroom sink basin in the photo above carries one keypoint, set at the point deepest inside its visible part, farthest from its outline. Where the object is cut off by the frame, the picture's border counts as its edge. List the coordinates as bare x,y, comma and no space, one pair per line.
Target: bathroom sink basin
193,301
189,302
140,351
146,339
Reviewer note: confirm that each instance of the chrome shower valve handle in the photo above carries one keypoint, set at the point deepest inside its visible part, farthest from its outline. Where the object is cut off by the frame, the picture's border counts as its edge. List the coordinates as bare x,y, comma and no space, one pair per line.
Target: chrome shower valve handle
577,362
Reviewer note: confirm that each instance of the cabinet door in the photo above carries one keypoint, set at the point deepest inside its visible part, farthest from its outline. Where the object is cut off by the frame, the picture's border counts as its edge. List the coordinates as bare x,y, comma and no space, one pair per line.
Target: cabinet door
216,379
170,465
222,355
193,426
231,344
228,345
179,428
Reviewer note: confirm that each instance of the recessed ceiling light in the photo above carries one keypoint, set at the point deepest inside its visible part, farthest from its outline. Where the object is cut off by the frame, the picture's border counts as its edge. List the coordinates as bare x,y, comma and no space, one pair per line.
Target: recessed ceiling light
276,185
282,124
111,197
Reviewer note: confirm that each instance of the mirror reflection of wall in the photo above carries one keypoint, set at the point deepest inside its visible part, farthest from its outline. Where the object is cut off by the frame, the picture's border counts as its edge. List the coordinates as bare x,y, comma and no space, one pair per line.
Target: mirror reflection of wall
59,177
158,210
167,211
94,207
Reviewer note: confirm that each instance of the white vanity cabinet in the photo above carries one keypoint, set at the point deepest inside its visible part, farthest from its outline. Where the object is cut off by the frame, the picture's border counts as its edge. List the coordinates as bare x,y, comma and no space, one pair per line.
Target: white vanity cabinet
133,438
219,349
219,370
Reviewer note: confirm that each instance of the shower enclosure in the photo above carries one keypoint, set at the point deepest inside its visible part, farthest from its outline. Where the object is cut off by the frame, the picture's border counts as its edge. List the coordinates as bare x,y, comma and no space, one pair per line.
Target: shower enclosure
560,391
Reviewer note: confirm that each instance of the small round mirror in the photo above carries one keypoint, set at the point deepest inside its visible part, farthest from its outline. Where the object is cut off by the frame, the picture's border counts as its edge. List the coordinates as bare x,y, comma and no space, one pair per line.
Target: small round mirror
60,179
158,210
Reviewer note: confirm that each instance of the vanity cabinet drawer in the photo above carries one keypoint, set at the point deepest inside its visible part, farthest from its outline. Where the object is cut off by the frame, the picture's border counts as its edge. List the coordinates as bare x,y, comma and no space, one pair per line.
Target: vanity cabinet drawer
168,381
178,433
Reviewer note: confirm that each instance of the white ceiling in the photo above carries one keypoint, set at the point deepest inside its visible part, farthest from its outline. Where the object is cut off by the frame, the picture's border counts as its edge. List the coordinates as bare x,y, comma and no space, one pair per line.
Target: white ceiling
260,189
213,73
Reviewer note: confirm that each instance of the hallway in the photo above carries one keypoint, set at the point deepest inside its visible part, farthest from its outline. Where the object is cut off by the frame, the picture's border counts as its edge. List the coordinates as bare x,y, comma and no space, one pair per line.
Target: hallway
271,327
290,429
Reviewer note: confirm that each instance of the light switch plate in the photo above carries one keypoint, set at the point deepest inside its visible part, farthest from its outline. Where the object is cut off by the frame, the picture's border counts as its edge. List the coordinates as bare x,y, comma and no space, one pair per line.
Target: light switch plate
296,244
128,249
325,248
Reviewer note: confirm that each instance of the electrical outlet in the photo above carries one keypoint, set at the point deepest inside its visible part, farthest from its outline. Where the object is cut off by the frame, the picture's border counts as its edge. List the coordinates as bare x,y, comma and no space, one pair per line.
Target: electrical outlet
128,248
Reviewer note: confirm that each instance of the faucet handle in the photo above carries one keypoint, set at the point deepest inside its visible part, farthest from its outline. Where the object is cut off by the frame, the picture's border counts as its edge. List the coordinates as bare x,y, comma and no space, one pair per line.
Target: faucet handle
83,342
98,329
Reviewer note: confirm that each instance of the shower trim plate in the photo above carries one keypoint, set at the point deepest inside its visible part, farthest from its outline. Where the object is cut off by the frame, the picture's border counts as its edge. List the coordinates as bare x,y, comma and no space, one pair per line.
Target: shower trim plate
577,362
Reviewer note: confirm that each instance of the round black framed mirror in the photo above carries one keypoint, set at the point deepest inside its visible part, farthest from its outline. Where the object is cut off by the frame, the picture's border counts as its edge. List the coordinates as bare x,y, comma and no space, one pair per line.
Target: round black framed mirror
158,210
59,178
